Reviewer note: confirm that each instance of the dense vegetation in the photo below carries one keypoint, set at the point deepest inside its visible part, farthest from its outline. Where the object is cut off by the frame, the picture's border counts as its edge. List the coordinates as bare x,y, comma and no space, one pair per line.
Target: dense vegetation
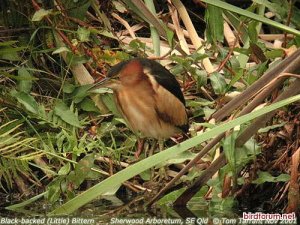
57,139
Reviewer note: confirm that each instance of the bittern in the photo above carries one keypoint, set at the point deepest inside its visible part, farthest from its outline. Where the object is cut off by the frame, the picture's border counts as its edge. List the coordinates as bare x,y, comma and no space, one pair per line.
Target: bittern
148,97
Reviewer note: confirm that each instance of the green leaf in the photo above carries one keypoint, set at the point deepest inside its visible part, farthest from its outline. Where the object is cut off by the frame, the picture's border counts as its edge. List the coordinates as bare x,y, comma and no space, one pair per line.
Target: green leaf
54,190
77,9
68,88
229,149
11,53
215,26
25,82
76,59
171,197
252,31
83,169
108,100
268,128
170,37
238,74
88,105
218,83
81,92
119,6
267,177
64,112
200,76
60,50
40,14
246,153
7,43
26,100
65,169
83,34
146,175
274,53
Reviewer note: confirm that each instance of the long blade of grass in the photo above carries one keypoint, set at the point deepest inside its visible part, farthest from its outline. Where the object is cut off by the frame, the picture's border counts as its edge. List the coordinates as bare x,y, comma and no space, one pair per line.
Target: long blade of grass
251,15
142,11
169,153
154,33
27,202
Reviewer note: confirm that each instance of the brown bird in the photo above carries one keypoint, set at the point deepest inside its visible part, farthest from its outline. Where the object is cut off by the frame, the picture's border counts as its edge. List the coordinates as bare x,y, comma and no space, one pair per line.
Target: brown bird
149,98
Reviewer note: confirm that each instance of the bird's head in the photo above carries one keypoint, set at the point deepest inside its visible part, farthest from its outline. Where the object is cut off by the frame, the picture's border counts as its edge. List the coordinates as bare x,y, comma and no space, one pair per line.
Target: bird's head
126,73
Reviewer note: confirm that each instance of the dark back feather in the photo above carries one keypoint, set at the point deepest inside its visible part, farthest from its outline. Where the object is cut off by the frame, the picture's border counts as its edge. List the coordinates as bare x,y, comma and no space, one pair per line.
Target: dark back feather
162,76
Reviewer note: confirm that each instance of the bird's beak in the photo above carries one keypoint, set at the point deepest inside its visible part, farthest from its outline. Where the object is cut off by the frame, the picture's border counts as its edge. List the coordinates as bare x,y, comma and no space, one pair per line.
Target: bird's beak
107,82
102,82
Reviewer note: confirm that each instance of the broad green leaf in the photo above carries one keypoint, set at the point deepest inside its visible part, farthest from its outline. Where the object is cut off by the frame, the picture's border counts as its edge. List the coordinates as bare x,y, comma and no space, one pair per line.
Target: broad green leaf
7,43
208,112
137,168
146,175
218,204
76,59
60,50
104,33
201,78
170,36
108,100
218,83
65,169
11,53
252,32
11,49
274,53
101,91
68,87
119,6
26,100
76,9
54,190
229,149
25,81
83,34
40,14
88,105
267,177
64,112
81,92
171,197
243,155
238,74
215,26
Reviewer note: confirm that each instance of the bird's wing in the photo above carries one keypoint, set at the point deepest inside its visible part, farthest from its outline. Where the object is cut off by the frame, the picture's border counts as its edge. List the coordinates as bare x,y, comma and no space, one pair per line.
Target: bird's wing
168,107
163,77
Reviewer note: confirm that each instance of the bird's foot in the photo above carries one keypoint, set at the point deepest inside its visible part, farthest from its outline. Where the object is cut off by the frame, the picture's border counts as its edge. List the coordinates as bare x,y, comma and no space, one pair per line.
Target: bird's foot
140,146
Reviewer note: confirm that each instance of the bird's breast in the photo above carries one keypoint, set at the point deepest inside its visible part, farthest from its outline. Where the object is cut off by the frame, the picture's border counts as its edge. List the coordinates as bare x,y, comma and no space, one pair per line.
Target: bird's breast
138,107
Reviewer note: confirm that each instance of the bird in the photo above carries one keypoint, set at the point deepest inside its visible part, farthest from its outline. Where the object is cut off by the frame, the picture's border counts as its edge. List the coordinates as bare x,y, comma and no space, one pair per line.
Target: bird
148,97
